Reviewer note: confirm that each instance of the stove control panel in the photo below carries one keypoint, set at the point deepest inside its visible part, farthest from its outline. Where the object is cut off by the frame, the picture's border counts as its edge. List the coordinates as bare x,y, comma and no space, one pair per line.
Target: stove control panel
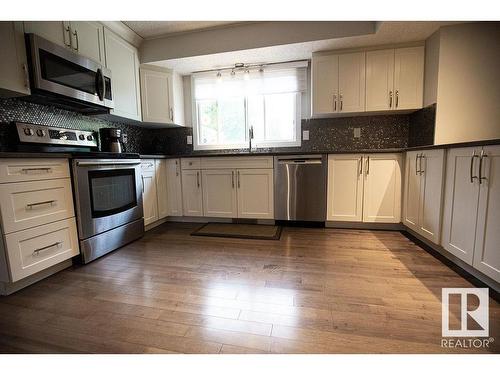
32,133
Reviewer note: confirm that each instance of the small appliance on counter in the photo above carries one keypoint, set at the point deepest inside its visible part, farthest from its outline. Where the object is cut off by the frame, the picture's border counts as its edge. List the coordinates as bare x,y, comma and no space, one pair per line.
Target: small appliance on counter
111,140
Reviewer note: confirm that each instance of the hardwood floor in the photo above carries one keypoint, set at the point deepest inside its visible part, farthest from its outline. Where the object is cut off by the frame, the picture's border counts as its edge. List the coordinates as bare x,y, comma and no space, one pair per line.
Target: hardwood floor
314,291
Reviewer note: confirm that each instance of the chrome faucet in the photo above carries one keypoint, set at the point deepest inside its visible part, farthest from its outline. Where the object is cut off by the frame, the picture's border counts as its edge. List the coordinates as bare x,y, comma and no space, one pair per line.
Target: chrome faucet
250,137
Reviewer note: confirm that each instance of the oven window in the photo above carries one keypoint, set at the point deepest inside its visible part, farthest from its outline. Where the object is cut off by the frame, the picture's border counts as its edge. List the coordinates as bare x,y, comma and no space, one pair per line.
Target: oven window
112,191
64,72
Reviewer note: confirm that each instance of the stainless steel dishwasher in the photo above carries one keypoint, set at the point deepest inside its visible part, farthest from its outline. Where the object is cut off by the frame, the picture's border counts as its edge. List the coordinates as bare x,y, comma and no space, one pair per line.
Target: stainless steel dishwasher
300,187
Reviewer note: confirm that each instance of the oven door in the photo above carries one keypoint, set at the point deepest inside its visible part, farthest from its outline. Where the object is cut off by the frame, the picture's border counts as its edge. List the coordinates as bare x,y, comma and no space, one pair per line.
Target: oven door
57,70
108,194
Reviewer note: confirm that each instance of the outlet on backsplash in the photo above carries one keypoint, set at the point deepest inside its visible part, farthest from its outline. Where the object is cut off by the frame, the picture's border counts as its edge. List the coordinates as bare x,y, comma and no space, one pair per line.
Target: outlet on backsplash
189,139
305,135
357,132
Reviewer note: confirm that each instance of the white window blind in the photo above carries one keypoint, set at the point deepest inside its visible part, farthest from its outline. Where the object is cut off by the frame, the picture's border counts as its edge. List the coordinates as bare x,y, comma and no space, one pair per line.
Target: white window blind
226,106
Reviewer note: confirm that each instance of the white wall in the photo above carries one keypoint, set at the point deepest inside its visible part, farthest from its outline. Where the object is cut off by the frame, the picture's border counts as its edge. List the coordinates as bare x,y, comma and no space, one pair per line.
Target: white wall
468,87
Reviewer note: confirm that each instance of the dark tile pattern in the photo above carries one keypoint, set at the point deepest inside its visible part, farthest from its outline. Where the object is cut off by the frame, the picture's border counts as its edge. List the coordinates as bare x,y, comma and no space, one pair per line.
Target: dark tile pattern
422,125
18,110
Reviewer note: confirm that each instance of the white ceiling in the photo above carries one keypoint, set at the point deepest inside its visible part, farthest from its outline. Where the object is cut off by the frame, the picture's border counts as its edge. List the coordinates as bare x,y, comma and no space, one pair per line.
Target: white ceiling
153,29
387,34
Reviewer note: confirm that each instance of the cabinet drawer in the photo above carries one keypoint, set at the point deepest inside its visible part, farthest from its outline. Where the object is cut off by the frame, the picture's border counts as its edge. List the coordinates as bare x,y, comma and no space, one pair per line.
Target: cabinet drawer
32,250
28,204
148,165
191,163
237,162
16,170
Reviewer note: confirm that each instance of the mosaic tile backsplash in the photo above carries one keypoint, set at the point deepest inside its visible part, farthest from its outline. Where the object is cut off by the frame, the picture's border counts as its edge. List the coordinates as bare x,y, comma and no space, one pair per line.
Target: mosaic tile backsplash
377,132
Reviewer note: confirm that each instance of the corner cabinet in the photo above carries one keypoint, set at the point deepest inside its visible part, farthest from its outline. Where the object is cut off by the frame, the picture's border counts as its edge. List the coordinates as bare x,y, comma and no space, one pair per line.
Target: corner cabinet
472,208
161,96
424,177
364,188
122,58
14,78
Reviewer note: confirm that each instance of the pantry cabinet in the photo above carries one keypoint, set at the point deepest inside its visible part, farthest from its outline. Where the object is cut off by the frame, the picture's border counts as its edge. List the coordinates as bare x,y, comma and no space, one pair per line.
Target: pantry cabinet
14,77
174,187
338,83
192,194
123,60
424,176
219,193
149,192
161,96
395,79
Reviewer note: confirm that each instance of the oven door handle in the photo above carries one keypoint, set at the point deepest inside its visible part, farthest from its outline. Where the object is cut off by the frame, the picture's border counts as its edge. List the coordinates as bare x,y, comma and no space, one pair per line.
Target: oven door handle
109,162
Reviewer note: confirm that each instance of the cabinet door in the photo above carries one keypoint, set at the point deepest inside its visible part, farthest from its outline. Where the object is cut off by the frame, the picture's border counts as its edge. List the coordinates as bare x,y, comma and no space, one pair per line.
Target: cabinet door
122,59
219,193
192,197
382,188
408,77
412,190
325,83
155,96
57,32
174,187
161,187
14,78
149,197
345,188
431,166
255,193
379,80
461,202
352,82
87,38
487,248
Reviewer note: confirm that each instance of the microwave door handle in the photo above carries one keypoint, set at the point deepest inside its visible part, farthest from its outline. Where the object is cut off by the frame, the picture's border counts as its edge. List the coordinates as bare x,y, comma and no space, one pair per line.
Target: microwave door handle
99,84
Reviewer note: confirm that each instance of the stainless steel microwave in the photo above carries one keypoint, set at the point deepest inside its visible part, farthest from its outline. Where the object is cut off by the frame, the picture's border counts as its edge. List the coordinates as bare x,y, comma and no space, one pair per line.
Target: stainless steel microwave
66,79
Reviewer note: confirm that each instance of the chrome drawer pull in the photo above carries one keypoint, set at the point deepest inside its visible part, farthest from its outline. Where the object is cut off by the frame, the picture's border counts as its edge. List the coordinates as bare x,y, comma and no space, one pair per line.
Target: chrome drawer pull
36,251
30,206
481,177
27,170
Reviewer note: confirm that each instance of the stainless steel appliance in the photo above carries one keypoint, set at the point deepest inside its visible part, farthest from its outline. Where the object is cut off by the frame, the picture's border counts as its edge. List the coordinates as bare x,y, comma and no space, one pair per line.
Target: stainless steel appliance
111,139
65,79
108,197
300,187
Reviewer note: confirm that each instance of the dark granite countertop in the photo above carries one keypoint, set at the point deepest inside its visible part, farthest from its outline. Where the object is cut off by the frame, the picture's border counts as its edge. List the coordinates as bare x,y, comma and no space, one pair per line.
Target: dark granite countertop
67,155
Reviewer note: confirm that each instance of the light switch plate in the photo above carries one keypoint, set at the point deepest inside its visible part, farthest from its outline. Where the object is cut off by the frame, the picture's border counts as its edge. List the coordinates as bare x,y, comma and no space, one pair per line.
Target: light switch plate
357,132
189,139
305,135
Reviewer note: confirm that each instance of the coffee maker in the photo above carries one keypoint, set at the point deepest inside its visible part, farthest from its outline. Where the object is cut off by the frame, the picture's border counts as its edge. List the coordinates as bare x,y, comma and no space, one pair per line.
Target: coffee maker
111,140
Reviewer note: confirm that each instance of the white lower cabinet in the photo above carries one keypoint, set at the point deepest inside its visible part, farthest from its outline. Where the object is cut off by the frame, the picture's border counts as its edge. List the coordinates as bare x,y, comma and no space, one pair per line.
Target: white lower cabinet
192,196
423,192
161,187
345,188
219,193
255,193
149,193
174,187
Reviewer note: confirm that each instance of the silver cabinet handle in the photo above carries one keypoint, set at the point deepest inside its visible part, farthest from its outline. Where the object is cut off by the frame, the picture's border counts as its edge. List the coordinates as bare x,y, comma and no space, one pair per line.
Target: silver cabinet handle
367,165
30,206
26,76
416,163
472,166
67,30
177,168
420,169
341,102
75,33
232,179
390,99
481,178
27,170
142,178
397,98
198,179
171,114
334,103
360,165
36,251
238,179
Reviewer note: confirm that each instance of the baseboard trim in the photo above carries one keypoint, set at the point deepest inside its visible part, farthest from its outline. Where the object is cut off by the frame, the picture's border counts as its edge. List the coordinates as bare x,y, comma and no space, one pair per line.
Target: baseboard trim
369,226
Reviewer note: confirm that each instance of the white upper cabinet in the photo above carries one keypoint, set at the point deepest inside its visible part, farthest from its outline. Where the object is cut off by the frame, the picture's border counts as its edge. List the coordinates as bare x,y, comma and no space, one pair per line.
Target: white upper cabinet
122,58
382,188
174,187
219,193
345,188
325,84
395,79
14,78
408,77
487,249
57,32
338,83
380,80
352,82
161,96
87,39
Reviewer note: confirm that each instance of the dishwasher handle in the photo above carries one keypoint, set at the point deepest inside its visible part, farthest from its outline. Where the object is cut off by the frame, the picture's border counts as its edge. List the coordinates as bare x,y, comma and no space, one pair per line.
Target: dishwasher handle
300,161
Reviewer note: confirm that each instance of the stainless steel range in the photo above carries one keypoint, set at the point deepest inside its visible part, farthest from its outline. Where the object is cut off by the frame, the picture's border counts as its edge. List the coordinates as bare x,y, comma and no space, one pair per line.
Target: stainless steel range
107,188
